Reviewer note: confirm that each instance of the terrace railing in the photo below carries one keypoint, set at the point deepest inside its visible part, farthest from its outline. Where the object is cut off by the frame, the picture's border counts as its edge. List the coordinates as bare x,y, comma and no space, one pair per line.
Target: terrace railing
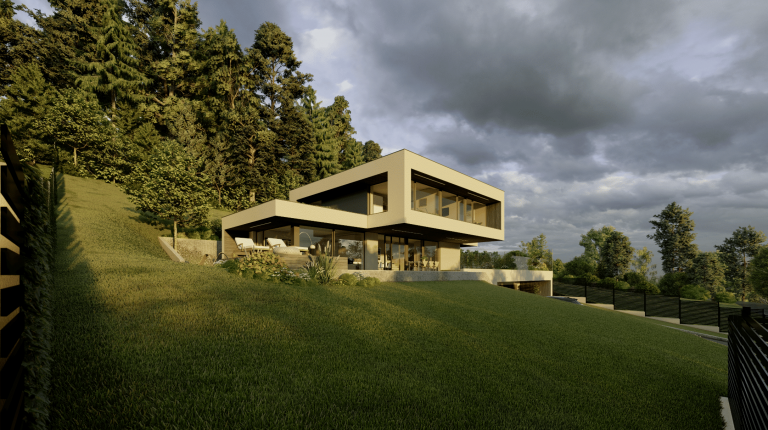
748,372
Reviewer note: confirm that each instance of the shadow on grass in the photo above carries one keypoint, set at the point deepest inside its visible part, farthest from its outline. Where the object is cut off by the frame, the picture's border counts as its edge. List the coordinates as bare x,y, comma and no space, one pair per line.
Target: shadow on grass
82,361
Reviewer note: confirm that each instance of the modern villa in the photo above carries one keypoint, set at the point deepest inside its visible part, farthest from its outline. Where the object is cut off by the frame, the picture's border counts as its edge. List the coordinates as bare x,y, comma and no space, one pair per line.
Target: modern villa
402,212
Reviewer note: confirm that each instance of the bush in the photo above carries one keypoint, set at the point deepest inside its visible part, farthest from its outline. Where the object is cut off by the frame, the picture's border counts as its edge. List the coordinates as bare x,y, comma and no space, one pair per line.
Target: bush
369,282
322,268
608,282
216,229
671,283
724,297
261,265
348,279
640,282
694,292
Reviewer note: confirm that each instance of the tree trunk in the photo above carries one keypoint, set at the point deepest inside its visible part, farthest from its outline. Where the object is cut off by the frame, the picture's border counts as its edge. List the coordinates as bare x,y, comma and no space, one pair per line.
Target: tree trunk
113,109
174,235
75,157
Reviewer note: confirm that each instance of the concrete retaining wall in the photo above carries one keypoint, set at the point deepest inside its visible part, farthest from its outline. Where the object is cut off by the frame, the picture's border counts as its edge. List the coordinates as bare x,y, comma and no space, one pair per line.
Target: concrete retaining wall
210,247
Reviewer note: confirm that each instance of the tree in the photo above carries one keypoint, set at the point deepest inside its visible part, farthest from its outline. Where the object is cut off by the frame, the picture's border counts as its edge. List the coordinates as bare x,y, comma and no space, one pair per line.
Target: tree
340,123
281,84
674,235
672,282
76,120
168,184
326,147
114,70
371,151
640,282
735,250
26,101
758,272
539,257
615,255
581,266
593,242
352,155
642,263
558,268
707,271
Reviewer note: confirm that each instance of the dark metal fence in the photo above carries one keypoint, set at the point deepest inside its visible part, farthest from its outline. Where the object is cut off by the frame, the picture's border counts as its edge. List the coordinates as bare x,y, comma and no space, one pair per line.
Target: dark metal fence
12,348
687,311
629,300
748,372
662,306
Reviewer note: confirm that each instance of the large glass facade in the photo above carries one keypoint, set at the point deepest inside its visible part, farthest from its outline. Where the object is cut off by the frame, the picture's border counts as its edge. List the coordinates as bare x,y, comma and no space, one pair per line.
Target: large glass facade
283,233
398,253
320,237
351,245
425,199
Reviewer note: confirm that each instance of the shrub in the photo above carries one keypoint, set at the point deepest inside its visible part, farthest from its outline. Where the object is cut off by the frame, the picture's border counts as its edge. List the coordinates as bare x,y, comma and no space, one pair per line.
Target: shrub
369,282
608,282
322,268
724,297
216,229
258,263
348,279
694,292
590,278
640,282
671,283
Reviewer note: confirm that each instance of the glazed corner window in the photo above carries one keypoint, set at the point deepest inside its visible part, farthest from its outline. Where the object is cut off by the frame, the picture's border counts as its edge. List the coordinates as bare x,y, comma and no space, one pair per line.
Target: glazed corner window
378,202
479,213
424,199
449,207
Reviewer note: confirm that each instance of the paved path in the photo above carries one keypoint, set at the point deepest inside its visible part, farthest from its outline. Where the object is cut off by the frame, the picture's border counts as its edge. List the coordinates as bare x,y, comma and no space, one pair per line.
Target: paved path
716,339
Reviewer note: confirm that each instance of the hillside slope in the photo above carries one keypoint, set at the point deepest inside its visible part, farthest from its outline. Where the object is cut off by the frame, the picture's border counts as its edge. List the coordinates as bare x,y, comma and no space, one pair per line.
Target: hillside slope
142,342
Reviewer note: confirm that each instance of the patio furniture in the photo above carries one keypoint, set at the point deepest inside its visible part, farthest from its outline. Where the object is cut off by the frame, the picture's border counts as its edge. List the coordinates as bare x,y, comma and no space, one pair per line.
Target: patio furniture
245,244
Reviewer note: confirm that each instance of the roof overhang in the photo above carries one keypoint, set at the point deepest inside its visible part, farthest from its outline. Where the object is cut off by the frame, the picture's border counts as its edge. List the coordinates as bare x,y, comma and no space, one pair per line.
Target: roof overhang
277,213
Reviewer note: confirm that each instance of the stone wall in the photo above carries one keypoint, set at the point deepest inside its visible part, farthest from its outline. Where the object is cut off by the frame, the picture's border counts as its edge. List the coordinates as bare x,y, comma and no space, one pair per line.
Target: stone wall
193,250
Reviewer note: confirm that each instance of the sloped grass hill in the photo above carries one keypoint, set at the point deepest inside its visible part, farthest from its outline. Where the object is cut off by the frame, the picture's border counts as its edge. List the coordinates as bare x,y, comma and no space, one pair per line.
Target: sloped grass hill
142,342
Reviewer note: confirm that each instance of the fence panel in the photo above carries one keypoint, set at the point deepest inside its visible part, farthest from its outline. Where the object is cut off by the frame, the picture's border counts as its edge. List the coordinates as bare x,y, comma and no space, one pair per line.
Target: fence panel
725,312
662,306
599,295
12,348
569,290
625,300
698,312
748,373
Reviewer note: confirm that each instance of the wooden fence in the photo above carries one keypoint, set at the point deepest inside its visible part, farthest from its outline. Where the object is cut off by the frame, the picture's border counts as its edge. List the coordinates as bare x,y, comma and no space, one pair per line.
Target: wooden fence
748,372
12,348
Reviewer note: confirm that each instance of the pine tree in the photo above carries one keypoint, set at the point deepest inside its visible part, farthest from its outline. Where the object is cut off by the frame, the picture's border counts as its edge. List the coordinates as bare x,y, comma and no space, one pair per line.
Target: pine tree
674,236
353,154
735,251
371,151
281,84
114,70
27,99
326,155
340,123
707,271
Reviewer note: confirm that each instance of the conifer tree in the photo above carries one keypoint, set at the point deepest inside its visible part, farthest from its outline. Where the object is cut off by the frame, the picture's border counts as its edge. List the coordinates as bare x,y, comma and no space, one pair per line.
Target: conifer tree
281,84
113,71
371,151
736,253
674,236
27,98
326,154
353,154
340,122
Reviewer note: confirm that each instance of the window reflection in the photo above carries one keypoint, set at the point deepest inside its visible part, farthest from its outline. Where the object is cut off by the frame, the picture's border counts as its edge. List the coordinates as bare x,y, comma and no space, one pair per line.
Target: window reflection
424,199
449,207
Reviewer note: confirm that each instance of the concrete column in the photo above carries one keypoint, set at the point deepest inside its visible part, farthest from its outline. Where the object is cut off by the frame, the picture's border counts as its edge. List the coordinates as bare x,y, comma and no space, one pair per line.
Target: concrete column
449,256
295,233
371,251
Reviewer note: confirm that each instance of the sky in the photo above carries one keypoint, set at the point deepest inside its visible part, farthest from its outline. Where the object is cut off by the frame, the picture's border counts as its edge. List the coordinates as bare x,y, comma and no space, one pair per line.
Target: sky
586,113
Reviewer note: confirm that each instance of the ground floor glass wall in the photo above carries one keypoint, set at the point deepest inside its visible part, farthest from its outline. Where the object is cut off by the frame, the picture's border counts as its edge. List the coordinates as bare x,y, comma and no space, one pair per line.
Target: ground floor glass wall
397,253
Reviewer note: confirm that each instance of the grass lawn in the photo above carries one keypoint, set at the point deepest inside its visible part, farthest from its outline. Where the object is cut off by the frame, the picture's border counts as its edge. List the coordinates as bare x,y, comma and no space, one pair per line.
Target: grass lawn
142,342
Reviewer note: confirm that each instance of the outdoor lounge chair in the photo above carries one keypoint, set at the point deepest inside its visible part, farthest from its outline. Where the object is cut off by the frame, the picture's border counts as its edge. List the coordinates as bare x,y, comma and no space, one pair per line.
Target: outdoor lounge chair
278,243
245,244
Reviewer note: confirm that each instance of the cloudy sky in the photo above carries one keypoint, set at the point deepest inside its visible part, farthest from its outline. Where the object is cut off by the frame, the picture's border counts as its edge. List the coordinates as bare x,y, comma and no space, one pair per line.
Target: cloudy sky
586,113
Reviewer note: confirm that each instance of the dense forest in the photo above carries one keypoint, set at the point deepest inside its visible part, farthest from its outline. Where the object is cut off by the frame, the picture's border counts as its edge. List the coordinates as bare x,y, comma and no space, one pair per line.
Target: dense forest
99,85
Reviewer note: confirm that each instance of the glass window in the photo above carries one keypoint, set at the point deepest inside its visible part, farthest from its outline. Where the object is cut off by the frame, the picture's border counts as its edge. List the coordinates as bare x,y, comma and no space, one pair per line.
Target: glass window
414,254
425,198
430,256
398,253
449,207
351,245
467,210
379,198
283,233
479,213
320,237
383,260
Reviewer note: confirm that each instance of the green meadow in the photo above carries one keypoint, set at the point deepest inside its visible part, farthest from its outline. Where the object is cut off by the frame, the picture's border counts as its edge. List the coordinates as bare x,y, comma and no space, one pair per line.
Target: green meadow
143,342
